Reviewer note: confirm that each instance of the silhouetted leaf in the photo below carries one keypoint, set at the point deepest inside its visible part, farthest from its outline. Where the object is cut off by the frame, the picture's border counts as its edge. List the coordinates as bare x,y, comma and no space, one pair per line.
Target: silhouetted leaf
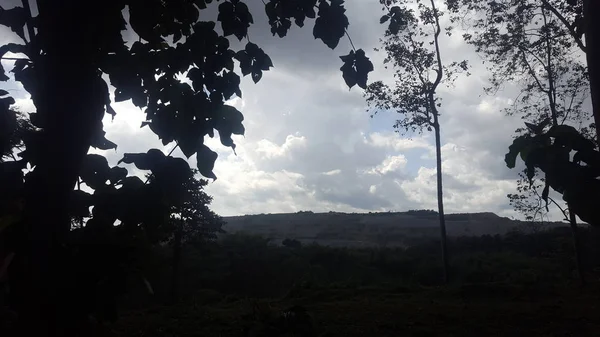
144,161
235,18
256,76
281,13
15,19
117,174
331,23
539,129
590,157
530,172
110,111
398,19
514,150
356,68
384,18
6,102
569,136
253,60
545,193
95,171
231,85
206,161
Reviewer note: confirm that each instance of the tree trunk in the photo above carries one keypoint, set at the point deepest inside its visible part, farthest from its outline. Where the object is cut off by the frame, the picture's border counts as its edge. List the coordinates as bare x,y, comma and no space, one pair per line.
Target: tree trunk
176,260
440,197
577,247
71,103
592,34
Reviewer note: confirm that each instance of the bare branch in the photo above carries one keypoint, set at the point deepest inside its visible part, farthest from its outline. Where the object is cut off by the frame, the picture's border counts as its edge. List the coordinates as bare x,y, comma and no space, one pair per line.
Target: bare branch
569,26
437,47
532,73
551,89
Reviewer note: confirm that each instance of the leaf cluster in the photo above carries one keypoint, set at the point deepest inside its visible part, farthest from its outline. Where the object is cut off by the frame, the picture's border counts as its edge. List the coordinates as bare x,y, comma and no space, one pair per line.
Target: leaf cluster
574,176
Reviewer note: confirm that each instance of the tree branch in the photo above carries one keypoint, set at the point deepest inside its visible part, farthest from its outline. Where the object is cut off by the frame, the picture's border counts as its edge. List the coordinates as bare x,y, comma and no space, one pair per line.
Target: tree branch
14,59
30,30
350,39
568,110
567,24
412,61
532,73
436,35
551,89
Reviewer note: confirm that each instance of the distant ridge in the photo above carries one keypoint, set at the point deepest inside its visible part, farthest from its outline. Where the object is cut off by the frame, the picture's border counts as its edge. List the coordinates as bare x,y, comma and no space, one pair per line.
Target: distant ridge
373,228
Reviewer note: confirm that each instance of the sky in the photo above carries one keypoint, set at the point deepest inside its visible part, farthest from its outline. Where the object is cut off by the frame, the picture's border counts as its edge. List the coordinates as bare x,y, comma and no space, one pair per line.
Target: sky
310,143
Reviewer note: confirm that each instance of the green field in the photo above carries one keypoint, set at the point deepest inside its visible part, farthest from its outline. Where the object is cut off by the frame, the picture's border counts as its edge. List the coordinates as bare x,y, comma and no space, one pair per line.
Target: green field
513,285
491,310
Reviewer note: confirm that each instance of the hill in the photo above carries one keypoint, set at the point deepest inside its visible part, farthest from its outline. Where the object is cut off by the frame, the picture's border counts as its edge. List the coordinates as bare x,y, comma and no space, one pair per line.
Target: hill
371,229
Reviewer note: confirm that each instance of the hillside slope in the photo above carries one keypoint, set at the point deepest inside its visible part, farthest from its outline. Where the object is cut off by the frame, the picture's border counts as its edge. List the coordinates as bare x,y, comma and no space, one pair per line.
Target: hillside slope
370,229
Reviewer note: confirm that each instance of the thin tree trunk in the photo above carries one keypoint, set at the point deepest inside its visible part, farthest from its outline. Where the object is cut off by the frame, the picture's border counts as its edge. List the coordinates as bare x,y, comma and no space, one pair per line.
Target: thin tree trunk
592,34
577,247
176,260
440,197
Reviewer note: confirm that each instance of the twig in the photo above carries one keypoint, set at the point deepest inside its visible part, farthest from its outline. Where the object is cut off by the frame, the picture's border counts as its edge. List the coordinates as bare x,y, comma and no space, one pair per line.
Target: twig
350,39
14,59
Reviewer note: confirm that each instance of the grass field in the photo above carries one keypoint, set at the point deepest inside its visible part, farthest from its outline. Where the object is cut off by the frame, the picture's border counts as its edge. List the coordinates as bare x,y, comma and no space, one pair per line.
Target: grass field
468,310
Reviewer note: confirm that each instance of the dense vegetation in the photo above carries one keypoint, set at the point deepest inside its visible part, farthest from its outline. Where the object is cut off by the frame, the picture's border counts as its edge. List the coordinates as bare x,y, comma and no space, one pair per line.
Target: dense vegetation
246,265
222,280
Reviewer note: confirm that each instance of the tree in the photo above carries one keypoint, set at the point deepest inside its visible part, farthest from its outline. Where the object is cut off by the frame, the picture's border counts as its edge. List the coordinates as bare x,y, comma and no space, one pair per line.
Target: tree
534,44
66,80
526,43
572,18
412,46
191,220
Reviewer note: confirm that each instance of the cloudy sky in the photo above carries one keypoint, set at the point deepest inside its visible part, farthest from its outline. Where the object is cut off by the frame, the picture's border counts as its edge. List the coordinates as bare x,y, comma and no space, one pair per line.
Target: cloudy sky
311,145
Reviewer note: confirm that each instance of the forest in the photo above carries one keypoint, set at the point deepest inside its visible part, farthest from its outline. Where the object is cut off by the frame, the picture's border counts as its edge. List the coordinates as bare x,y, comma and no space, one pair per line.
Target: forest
93,245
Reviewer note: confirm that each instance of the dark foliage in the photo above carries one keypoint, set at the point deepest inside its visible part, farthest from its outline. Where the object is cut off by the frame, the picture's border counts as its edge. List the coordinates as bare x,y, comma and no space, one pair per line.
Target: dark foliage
244,265
66,80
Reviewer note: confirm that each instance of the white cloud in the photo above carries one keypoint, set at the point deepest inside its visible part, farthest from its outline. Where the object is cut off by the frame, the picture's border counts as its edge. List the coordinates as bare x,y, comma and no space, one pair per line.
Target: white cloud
269,150
332,172
389,165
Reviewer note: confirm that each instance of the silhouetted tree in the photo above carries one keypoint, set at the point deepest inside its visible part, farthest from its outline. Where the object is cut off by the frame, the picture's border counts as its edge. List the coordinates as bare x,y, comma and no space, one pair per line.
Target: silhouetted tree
528,43
191,220
68,50
412,46
558,26
536,44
